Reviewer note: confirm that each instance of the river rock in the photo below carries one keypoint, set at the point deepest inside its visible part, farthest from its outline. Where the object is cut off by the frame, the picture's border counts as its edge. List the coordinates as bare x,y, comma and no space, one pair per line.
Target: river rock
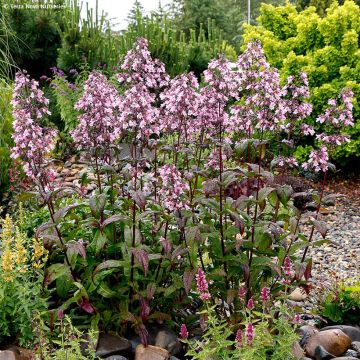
297,295
298,351
305,332
168,340
116,357
112,345
351,331
355,345
151,353
322,354
351,353
334,341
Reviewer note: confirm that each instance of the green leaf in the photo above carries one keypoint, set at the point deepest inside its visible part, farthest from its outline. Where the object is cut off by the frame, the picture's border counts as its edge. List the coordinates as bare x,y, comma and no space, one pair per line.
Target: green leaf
97,204
109,264
99,241
55,271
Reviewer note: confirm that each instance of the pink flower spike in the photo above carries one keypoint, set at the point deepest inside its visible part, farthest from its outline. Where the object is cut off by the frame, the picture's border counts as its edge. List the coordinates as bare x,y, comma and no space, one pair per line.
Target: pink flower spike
242,293
239,338
183,332
202,286
265,294
250,333
250,304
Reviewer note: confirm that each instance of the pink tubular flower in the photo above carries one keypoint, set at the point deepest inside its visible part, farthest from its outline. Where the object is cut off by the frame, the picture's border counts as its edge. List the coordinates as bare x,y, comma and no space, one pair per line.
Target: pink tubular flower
295,94
202,286
318,160
339,113
242,293
32,142
333,139
173,188
250,304
265,294
297,319
138,115
222,78
239,338
99,125
183,332
307,129
287,266
282,161
263,108
250,333
139,68
180,105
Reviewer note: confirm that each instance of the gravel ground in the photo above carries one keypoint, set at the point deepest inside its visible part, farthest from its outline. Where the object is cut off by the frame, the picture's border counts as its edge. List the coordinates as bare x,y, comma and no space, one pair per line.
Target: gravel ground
338,260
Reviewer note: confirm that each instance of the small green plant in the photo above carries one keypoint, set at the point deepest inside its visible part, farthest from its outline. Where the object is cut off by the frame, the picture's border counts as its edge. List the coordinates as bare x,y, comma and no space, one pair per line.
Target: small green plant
66,342
342,305
266,334
21,279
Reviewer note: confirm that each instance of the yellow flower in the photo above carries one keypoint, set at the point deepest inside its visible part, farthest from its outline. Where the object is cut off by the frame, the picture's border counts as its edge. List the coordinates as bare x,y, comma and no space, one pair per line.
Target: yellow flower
40,254
7,232
20,252
7,265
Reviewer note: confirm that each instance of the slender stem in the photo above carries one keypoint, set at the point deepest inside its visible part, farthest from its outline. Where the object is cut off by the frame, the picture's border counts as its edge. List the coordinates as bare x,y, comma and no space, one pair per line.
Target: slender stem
316,217
97,172
221,164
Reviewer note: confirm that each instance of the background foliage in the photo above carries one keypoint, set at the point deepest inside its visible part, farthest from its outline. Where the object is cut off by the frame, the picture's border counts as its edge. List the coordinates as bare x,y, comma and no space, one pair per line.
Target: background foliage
326,48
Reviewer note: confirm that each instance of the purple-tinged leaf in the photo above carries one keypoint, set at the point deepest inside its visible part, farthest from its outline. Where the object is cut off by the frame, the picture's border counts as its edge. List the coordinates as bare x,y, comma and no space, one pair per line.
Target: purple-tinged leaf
321,227
76,247
139,198
188,278
307,273
143,259
145,308
150,291
143,334
112,219
85,305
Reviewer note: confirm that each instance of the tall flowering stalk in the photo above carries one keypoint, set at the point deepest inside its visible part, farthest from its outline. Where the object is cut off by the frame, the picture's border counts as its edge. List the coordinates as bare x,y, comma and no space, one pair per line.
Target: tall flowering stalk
179,110
139,68
262,107
32,141
221,86
336,118
99,124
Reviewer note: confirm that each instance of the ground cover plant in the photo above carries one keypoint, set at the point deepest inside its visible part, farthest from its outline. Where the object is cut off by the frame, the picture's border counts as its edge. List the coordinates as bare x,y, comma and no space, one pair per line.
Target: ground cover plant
191,204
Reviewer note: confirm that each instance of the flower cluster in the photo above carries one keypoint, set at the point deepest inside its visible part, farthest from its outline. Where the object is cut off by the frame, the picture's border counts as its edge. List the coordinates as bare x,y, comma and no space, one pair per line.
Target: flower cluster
32,142
138,115
263,107
265,294
99,125
173,188
180,104
222,78
183,332
339,113
338,116
318,160
202,286
250,333
139,68
282,161
295,92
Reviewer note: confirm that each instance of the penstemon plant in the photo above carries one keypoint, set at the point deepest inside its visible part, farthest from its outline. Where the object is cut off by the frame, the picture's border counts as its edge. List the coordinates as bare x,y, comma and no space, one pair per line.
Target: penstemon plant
186,184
